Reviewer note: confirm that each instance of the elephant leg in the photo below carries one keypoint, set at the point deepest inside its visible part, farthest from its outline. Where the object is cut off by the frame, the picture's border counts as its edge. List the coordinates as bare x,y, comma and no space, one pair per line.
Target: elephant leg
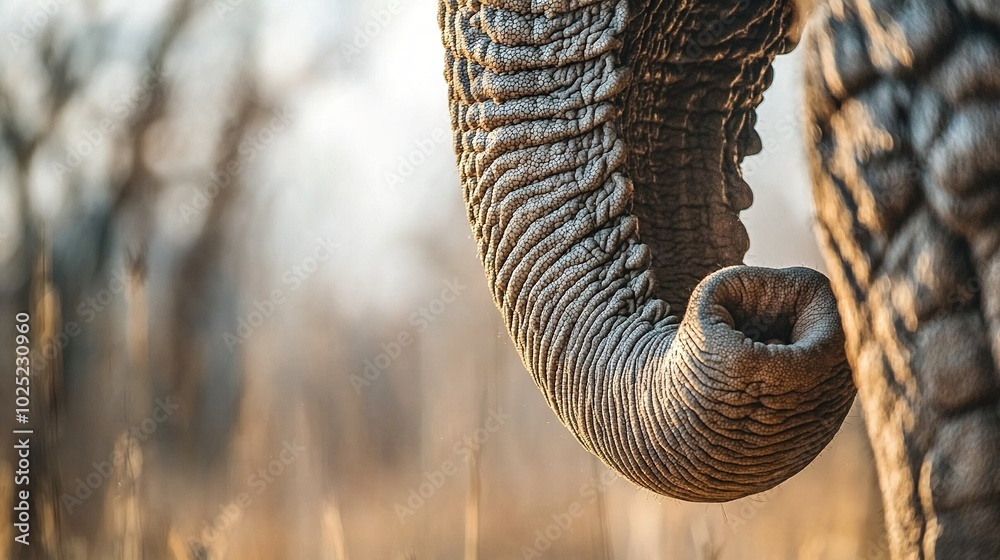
904,101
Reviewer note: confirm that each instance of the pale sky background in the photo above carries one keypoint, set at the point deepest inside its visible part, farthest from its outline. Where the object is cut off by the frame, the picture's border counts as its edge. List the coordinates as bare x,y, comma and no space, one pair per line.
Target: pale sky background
364,83
362,122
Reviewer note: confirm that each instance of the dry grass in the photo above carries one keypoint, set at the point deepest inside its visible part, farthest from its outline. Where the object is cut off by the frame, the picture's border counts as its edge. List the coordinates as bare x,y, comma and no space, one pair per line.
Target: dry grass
368,453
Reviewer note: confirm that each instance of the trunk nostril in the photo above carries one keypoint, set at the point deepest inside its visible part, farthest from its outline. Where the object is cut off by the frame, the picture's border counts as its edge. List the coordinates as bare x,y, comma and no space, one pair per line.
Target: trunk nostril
773,330
788,307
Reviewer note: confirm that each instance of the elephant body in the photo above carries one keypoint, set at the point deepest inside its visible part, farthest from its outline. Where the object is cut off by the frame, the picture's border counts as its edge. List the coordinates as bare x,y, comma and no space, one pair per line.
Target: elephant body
599,146
904,114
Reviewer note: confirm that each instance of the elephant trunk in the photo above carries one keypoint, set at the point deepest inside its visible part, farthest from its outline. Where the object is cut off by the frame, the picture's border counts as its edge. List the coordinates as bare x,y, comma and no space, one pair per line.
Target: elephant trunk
599,154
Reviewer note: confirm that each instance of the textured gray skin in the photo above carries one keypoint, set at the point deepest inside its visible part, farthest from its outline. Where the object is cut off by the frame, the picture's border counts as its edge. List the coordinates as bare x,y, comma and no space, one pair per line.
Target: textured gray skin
905,149
598,145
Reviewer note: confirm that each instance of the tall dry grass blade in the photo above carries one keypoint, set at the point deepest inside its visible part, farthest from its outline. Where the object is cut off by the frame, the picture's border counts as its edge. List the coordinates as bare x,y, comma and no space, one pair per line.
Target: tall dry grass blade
6,521
47,323
701,535
122,505
177,546
603,543
334,544
472,509
487,399
138,383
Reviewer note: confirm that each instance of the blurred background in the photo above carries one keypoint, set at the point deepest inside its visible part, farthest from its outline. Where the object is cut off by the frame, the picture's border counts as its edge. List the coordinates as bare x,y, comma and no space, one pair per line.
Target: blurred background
259,326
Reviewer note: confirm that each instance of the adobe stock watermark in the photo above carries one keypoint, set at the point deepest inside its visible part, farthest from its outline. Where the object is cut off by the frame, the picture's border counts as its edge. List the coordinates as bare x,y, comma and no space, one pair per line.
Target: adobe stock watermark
366,33
33,23
436,479
248,150
85,487
786,127
293,278
564,520
257,483
419,321
225,7
407,164
749,507
123,106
